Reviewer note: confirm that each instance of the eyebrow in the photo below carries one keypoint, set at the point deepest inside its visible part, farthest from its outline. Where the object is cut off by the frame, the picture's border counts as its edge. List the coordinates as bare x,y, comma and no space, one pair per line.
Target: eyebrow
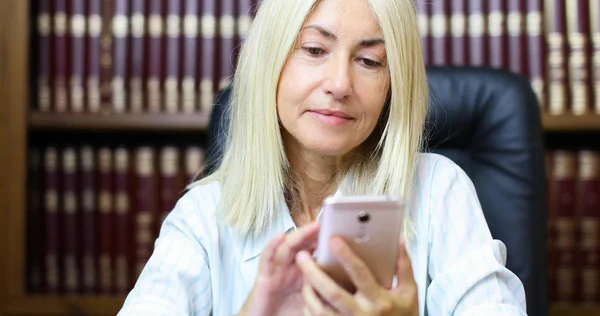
365,43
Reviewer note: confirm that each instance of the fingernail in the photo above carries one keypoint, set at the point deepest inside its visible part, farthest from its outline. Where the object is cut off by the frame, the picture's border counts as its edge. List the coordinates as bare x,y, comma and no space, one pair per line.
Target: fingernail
301,256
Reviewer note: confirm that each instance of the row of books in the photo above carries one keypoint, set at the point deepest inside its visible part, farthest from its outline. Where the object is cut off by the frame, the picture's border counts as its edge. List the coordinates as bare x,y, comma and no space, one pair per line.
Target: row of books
574,226
554,43
115,56
94,213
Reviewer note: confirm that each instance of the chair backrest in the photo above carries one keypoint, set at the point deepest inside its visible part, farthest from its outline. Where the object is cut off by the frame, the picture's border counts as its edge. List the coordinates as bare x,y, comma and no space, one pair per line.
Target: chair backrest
488,122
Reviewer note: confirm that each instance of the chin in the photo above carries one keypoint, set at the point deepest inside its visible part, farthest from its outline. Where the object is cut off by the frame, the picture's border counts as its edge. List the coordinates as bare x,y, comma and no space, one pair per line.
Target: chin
331,147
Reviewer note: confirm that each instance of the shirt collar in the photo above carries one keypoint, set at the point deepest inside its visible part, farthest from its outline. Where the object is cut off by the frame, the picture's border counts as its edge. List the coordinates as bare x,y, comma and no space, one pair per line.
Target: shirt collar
283,222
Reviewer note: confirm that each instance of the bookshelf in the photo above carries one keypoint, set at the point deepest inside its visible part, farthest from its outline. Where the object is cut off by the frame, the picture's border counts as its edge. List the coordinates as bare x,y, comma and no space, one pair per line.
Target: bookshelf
16,122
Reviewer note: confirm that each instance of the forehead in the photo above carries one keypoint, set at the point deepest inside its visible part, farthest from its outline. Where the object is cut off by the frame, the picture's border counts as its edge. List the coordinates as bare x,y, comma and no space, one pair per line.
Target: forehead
346,18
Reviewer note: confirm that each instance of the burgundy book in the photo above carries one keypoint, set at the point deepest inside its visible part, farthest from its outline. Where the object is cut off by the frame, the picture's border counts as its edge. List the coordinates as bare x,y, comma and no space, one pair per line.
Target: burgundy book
169,181
52,228
588,207
189,80
565,247
458,32
557,57
106,62
194,163
578,32
536,52
244,20
60,46
208,27
35,217
105,221
145,216
172,55
120,33
77,60
44,55
137,56
70,237
550,241
94,49
477,29
517,43
440,34
155,57
88,220
122,222
497,39
423,14
595,52
226,41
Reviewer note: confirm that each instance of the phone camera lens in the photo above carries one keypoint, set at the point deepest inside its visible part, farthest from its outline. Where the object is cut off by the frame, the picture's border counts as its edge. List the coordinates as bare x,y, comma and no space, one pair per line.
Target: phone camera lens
363,217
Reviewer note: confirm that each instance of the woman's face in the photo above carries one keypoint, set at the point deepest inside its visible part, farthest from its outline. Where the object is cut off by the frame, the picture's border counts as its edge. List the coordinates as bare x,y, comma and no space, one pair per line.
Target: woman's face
334,84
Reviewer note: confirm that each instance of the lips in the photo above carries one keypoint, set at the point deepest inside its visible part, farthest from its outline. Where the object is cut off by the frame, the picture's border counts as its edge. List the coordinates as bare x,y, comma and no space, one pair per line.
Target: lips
330,117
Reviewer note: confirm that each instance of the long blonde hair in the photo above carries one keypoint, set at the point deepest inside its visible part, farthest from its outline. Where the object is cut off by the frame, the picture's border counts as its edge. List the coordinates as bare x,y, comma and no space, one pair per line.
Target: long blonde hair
253,172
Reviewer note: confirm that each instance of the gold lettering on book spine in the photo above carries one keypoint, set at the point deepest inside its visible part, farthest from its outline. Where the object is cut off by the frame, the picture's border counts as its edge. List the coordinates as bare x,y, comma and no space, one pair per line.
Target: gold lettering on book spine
171,95
93,94
120,26
60,24
515,24
136,95
77,92
43,93
105,272
227,26
43,24
244,23
94,25
206,94
439,25
173,28
154,95
118,94
209,26
534,23
188,95
71,272
89,271
496,24
476,25
423,24
458,25
78,25
155,25
190,26
138,24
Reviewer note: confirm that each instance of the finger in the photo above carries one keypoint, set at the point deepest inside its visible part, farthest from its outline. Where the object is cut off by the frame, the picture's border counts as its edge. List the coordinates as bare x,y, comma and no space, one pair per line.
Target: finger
324,285
305,238
313,302
404,272
357,270
267,264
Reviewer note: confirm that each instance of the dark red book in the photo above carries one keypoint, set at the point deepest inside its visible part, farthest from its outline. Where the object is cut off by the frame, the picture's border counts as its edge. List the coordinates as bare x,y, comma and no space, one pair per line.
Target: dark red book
551,239
60,46
77,56
122,221
557,57
52,223
145,206
244,20
595,52
458,32
497,39
588,207
106,62
172,55
154,59
89,225
536,51
194,163
137,56
517,42
208,27
226,41
578,31
423,12
94,51
70,231
105,221
477,29
440,33
169,182
189,82
120,32
35,221
44,55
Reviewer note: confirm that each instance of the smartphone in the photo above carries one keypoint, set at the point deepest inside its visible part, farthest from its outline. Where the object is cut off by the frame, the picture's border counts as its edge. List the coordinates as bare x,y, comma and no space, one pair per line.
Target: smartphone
371,225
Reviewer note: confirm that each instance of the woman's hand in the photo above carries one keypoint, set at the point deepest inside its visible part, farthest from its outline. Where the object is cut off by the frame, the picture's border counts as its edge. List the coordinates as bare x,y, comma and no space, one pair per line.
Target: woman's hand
323,296
277,289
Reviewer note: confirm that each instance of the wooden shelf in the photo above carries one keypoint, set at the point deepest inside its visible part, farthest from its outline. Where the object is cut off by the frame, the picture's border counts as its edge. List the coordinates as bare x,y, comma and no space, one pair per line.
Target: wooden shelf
571,123
574,311
119,122
43,305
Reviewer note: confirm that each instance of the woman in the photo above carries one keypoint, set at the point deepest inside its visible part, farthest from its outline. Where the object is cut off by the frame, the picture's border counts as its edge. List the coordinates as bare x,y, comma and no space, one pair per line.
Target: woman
330,97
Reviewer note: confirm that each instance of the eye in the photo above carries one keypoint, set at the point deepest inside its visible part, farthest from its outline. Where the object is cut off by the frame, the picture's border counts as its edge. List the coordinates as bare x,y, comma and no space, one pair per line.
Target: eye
370,63
314,51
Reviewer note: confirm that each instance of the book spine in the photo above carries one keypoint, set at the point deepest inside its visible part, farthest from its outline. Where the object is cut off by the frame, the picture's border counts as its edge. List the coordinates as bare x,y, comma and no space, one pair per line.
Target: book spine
578,33
557,75
70,219
105,220
550,231
137,56
227,42
191,27
44,56
122,221
77,57
496,22
477,26
60,72
169,182
155,56
595,36
517,45
88,220
106,62
424,27
563,202
35,216
440,37
120,33
52,229
536,53
194,163
245,19
145,217
172,55
588,198
208,27
94,49
458,32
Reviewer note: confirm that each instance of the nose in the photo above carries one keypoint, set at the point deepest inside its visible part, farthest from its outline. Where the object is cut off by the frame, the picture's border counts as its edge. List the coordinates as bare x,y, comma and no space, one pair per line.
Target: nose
338,80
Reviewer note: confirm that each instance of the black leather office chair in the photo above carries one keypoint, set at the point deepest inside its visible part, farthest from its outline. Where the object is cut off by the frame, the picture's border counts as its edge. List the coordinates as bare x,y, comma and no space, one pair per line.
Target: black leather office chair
488,122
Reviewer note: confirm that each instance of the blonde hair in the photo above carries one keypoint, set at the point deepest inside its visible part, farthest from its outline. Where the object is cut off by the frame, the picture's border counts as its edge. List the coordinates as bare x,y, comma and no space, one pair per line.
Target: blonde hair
254,169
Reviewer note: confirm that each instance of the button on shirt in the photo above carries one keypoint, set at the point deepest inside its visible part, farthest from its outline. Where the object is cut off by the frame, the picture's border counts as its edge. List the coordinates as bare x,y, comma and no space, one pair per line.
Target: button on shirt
201,267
